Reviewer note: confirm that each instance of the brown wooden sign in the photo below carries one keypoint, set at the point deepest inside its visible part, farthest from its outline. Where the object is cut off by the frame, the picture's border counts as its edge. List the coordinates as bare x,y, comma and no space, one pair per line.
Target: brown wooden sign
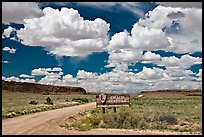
113,100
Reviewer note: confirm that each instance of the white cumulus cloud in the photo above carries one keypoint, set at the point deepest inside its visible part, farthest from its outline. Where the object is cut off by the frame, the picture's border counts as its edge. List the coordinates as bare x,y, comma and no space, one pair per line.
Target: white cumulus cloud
122,81
86,75
25,76
65,33
184,33
16,79
56,69
182,4
16,12
184,62
174,29
199,75
39,72
150,73
149,56
10,50
7,32
5,61
46,71
51,78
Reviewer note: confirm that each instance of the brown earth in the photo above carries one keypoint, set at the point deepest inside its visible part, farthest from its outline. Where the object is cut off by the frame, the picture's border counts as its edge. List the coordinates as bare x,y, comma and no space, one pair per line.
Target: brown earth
47,123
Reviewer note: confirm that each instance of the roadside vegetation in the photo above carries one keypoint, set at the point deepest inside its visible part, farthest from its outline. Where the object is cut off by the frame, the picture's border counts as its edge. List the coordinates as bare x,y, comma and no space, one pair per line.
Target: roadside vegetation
157,111
80,100
17,103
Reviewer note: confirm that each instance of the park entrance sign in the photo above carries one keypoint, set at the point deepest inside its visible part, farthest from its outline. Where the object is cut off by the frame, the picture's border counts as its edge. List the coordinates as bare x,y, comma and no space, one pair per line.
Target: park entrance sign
113,100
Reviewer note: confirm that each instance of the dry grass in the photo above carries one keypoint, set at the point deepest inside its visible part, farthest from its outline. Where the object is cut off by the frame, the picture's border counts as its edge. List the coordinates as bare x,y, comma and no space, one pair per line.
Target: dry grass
20,102
160,111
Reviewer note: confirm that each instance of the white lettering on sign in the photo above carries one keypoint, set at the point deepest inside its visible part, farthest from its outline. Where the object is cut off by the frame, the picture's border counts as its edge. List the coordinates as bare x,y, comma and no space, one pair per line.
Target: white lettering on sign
115,101
117,97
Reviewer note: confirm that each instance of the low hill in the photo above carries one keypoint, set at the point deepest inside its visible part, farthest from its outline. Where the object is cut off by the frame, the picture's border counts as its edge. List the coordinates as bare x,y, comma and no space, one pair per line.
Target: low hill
39,88
187,92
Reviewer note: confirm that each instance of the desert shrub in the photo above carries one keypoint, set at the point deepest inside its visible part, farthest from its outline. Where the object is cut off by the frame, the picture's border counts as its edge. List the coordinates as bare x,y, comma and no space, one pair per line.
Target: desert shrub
170,120
123,119
150,119
49,101
24,112
38,110
80,100
33,110
91,120
66,126
158,125
159,122
18,112
8,115
13,114
109,121
95,111
33,102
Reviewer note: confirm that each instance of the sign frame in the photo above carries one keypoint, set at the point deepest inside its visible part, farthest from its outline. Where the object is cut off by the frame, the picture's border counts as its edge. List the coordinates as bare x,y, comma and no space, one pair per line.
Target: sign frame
113,100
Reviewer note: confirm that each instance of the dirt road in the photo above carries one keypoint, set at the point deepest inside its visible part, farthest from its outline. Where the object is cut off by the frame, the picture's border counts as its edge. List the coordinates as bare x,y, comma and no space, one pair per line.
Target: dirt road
43,122
47,123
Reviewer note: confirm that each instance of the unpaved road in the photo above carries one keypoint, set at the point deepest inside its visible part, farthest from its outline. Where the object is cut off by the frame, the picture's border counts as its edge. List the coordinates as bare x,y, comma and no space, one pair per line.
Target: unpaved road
47,123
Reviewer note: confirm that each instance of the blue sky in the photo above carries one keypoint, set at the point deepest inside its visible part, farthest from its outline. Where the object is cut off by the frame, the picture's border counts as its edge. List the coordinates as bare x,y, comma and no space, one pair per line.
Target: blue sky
103,47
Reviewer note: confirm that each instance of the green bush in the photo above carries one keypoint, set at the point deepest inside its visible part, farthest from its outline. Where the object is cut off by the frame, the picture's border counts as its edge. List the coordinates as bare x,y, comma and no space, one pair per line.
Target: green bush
49,101
38,110
120,119
33,102
8,115
80,100
24,112
93,121
33,110
13,114
95,111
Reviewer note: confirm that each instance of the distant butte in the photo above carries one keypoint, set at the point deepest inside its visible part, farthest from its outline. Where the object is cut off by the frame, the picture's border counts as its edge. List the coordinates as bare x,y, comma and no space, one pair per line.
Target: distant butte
39,88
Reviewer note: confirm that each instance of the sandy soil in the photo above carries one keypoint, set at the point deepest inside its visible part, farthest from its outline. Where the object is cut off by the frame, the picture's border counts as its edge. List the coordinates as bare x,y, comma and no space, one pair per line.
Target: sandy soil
47,123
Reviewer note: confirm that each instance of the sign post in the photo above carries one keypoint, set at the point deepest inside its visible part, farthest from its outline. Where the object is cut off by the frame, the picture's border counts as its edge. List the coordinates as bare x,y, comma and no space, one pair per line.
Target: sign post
114,109
103,110
112,100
